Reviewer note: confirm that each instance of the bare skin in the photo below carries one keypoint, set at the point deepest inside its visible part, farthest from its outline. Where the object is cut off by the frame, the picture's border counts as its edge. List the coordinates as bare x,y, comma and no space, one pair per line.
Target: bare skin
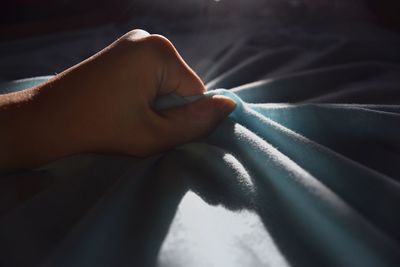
104,104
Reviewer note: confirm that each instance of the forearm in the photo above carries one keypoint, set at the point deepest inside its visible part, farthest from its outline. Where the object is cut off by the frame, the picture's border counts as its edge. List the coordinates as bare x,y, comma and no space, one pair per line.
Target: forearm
36,127
62,117
59,118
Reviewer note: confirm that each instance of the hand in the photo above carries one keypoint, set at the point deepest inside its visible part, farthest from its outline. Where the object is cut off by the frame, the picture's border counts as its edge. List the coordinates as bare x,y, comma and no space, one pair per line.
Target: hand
104,104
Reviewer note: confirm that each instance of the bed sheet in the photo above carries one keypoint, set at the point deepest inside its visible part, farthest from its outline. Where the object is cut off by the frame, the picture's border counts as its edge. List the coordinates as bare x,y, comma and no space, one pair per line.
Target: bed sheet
304,172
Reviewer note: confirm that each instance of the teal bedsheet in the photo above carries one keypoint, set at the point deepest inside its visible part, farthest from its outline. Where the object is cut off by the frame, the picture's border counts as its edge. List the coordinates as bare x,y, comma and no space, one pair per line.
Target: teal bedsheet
304,172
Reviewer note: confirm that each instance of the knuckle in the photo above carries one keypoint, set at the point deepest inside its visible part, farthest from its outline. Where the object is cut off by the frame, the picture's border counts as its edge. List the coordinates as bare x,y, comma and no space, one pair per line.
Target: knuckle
131,40
151,45
135,35
160,44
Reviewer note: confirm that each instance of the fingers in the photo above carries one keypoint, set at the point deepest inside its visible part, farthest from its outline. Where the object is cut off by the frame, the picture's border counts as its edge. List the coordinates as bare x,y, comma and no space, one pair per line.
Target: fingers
171,71
190,83
176,75
180,78
189,122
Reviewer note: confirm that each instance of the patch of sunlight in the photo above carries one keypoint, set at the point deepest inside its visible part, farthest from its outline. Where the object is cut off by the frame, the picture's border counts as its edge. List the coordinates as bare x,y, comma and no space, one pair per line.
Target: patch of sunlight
205,235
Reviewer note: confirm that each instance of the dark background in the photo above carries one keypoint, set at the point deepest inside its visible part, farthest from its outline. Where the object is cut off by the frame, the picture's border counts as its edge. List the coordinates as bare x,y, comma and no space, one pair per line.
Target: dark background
24,18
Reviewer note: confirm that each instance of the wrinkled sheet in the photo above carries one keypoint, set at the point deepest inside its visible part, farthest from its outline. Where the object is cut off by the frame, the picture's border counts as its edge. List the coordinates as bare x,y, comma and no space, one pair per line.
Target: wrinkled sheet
304,172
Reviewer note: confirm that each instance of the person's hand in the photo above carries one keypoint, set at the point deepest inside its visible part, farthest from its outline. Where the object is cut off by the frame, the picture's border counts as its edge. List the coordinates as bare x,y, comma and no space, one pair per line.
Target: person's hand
104,104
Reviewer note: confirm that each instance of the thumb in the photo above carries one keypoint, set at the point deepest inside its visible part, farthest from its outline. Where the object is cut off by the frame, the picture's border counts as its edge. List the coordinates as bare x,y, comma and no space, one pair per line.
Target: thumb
191,121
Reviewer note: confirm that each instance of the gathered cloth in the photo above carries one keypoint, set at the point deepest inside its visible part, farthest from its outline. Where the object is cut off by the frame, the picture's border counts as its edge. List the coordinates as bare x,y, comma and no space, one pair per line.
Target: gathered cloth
304,172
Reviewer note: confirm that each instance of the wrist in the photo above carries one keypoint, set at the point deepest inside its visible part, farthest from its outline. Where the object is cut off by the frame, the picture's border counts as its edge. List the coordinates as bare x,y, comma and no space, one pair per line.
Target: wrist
33,130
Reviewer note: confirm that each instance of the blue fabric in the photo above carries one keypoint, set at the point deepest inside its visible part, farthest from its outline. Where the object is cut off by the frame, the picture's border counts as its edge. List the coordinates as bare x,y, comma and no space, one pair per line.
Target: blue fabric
304,172
315,201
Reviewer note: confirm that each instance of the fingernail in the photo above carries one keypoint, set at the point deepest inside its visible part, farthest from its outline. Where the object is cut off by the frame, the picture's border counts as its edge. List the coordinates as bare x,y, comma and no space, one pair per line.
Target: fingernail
225,104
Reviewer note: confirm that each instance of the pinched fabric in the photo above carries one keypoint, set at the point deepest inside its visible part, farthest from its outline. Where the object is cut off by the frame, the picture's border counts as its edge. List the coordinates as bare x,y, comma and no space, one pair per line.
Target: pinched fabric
304,172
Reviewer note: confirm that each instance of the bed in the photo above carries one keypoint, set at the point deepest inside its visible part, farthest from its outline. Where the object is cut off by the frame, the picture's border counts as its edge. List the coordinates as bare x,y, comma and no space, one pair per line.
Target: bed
304,172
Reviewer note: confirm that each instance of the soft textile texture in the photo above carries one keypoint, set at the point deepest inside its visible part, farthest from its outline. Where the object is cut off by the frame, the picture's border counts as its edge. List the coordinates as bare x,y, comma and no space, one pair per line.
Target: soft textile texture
304,172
